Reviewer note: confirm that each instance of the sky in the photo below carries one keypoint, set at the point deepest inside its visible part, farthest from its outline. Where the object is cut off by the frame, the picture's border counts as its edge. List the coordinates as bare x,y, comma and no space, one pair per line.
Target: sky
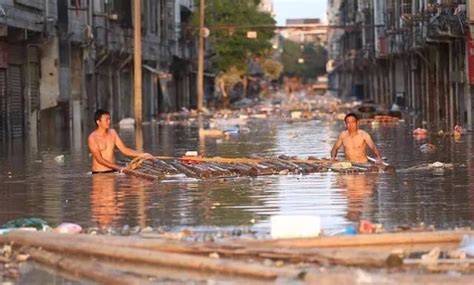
285,9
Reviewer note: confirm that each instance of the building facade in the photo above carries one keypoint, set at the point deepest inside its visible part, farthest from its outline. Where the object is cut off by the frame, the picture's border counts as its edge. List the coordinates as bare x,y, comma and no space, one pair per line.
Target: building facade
305,30
61,60
409,52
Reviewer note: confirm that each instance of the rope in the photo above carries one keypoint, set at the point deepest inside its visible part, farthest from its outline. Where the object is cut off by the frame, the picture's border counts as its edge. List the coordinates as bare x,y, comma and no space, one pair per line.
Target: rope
135,163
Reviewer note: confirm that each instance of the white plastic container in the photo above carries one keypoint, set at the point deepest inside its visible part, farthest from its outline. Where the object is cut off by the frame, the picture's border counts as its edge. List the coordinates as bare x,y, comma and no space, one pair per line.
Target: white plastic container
295,226
191,153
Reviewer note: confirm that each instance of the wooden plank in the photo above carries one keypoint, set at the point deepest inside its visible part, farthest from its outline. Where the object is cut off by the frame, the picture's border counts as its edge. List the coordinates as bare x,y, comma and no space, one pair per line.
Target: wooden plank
352,257
140,174
91,269
364,240
186,261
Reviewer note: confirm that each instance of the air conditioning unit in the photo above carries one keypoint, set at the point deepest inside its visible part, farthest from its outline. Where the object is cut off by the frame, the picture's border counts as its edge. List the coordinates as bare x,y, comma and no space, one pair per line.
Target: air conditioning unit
113,16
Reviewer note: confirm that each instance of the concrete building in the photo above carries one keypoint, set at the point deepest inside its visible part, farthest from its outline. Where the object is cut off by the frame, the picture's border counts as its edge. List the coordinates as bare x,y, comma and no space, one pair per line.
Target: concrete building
61,60
409,52
305,31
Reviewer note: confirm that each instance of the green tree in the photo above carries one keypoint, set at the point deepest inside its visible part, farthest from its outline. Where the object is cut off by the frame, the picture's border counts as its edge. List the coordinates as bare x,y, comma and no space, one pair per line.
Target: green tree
303,60
228,22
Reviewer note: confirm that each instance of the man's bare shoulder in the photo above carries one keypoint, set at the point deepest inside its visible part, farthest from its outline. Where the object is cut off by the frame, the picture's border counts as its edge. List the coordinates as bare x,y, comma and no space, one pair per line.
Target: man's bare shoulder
92,136
343,134
362,132
365,135
112,133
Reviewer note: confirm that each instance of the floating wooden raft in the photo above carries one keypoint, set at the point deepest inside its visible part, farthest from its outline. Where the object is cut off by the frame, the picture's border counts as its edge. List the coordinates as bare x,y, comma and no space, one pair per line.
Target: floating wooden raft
160,167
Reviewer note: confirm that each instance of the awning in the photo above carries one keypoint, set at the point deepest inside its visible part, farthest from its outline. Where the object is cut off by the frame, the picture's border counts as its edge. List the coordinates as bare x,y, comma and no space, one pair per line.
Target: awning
161,74
206,74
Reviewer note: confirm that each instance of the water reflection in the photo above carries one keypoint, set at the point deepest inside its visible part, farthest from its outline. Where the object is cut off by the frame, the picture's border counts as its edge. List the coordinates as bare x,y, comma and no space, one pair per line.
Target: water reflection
358,190
139,138
104,200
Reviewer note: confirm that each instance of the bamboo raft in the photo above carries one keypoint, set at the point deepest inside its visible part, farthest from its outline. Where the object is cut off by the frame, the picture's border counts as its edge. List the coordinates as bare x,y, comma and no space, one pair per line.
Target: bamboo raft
161,167
137,260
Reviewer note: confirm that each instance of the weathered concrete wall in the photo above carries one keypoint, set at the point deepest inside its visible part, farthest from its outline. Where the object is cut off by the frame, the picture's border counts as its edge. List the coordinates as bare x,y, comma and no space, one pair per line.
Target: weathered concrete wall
86,57
417,50
49,88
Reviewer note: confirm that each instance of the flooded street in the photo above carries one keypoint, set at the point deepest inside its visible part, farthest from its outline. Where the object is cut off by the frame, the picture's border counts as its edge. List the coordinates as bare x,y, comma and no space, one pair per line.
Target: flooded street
41,185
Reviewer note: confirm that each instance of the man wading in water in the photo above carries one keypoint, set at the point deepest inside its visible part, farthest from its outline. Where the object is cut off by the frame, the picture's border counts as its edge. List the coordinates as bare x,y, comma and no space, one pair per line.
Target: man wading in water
355,142
102,143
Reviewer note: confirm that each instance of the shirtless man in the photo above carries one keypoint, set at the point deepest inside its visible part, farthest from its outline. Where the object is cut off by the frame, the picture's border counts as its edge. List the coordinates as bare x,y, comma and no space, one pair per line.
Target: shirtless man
355,142
102,143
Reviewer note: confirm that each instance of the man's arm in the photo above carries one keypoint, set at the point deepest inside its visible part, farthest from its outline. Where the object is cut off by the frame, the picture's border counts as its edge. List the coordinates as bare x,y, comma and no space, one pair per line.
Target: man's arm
126,150
372,146
95,151
336,147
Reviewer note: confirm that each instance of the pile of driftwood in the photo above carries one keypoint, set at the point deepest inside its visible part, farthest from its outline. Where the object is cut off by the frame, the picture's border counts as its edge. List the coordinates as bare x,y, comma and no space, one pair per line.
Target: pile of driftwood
395,258
158,168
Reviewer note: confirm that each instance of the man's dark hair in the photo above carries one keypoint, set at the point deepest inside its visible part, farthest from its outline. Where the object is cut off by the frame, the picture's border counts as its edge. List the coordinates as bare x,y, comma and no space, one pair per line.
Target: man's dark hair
98,114
351,115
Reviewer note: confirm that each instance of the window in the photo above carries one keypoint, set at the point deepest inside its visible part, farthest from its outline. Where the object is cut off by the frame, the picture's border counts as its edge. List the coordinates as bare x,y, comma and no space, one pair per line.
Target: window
406,7
123,8
153,16
76,3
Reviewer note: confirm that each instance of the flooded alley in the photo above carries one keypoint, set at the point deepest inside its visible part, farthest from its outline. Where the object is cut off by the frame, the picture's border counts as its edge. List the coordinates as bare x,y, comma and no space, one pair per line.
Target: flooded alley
55,183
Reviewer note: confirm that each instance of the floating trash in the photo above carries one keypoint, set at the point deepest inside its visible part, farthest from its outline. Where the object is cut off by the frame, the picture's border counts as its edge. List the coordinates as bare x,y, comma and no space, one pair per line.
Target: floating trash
467,245
37,223
59,159
296,226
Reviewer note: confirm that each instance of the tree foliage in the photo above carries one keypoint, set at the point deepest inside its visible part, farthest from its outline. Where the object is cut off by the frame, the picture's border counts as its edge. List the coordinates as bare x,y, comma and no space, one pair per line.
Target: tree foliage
271,68
228,22
313,55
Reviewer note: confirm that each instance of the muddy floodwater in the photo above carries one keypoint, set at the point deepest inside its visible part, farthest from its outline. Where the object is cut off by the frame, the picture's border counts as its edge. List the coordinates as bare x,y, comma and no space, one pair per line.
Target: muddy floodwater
37,181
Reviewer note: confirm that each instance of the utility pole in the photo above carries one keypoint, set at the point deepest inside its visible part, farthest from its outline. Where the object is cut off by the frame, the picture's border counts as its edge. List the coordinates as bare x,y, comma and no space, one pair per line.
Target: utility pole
137,62
200,74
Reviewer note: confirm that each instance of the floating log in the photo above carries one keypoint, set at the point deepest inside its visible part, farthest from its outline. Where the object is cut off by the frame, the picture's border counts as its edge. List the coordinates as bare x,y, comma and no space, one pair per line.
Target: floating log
351,257
231,168
260,170
155,164
294,168
218,167
90,269
152,171
274,167
383,166
222,172
140,174
364,240
186,171
315,168
219,159
242,169
72,246
287,160
202,172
